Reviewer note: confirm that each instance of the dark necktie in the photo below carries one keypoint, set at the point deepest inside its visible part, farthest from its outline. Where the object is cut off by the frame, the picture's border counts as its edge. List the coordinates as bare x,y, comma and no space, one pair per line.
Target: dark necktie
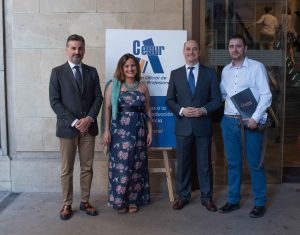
191,80
78,77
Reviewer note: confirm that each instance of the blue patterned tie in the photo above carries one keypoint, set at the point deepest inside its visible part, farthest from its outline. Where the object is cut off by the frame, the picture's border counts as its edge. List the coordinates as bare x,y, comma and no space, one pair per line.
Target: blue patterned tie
78,77
191,80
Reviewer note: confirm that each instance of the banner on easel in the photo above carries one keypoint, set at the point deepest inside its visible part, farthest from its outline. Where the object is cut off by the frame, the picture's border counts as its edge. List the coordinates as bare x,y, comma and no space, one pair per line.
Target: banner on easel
158,52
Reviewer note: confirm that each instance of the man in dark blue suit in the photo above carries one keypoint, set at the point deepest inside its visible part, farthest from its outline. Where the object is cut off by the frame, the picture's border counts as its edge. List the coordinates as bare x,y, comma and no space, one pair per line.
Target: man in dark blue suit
75,96
193,94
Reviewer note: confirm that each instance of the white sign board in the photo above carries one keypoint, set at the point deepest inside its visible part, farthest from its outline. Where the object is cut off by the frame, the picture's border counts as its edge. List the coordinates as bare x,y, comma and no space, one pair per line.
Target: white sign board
158,52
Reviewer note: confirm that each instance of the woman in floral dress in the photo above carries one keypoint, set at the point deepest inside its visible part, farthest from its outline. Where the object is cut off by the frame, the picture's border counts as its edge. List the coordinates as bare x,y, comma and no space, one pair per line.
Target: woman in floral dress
127,133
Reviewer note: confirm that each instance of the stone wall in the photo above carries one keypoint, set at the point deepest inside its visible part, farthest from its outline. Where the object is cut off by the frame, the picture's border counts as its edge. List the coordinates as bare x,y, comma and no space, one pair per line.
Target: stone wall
36,31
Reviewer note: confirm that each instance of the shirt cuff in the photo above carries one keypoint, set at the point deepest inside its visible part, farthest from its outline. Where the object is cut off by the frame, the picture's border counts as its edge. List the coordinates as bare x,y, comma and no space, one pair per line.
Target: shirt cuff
204,110
180,112
74,122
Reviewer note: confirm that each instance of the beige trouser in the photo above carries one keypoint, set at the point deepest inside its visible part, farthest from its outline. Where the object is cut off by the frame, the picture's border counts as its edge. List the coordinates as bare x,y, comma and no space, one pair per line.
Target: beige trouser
267,41
86,145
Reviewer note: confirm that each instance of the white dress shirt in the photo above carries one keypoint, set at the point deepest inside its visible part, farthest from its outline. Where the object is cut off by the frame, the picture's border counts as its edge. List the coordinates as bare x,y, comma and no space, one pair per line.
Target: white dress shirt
73,68
252,74
195,72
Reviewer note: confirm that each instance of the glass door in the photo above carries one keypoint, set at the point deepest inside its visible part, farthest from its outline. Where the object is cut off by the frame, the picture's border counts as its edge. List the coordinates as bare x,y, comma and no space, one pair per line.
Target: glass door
227,17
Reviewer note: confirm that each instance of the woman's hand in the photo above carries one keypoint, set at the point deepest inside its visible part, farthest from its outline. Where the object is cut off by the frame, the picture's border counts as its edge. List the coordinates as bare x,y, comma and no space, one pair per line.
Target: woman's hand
149,139
106,138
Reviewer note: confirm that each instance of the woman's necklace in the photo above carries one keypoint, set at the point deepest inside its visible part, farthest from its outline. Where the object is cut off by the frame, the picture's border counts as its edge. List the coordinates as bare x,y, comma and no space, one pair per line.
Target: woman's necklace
132,87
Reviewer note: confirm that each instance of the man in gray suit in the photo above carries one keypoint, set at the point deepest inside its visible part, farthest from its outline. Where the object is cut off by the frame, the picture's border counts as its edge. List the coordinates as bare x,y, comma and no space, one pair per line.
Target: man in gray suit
76,97
193,94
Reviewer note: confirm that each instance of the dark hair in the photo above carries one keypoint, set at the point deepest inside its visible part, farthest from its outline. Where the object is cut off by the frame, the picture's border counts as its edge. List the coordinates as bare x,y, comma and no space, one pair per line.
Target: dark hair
119,73
286,10
75,37
238,36
268,9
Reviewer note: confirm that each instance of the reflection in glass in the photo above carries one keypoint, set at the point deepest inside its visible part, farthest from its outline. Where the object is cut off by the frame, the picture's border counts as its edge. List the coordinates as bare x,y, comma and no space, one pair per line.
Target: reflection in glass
228,17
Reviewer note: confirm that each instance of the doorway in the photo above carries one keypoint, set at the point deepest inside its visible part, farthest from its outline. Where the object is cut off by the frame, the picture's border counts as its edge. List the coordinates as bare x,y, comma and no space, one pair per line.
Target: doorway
215,21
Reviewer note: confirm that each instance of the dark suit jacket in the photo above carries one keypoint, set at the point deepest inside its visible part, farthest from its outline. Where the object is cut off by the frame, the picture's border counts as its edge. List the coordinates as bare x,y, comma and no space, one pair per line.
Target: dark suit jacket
207,95
69,103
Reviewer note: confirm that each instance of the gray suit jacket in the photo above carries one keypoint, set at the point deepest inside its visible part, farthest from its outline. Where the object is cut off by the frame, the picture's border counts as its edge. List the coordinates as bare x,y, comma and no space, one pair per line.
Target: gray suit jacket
69,103
207,94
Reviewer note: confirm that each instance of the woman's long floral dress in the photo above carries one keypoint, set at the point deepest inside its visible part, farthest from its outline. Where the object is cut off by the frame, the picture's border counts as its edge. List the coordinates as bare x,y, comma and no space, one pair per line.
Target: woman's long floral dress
128,162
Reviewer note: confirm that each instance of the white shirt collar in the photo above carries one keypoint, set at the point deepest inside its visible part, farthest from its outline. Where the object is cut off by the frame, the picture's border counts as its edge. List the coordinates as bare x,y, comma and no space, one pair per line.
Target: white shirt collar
196,66
244,64
72,65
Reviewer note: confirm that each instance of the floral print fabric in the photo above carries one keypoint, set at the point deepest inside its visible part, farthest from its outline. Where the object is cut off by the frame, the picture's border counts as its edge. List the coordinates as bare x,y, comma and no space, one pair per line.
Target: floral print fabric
128,162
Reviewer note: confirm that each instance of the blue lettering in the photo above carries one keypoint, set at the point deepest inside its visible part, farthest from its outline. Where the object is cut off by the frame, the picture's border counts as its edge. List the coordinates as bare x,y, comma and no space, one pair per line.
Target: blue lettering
146,50
136,45
152,50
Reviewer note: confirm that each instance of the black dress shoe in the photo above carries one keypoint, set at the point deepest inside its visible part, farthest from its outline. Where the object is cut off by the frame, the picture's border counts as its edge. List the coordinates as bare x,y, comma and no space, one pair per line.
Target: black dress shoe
228,207
257,211
210,205
180,203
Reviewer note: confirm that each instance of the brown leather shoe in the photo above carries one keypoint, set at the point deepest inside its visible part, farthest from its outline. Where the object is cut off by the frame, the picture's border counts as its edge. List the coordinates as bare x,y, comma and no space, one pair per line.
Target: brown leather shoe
89,210
66,212
209,205
180,203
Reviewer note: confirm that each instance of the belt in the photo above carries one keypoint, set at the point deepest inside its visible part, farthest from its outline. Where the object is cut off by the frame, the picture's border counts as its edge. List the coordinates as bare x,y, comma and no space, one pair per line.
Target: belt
233,116
132,109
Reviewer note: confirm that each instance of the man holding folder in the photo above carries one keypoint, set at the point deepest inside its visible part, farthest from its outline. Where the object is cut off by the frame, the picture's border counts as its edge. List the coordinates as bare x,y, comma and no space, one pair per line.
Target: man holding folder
243,73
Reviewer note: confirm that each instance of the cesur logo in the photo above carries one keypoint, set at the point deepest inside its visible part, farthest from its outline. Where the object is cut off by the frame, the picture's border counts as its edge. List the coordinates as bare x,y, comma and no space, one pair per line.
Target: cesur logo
149,49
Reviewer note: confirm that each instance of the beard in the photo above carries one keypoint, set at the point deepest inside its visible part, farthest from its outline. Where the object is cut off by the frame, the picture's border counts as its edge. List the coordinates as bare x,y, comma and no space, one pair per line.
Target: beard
76,59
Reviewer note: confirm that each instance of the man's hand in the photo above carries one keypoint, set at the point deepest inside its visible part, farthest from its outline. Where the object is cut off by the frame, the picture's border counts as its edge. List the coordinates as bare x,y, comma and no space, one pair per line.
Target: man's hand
83,124
193,112
251,123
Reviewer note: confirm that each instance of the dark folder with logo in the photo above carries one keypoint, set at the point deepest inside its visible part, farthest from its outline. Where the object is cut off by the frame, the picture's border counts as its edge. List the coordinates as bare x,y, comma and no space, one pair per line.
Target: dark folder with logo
245,103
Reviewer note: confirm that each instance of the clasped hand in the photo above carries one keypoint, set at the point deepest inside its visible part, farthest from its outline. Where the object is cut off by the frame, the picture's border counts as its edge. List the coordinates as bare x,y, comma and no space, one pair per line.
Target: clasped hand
83,124
193,112
251,123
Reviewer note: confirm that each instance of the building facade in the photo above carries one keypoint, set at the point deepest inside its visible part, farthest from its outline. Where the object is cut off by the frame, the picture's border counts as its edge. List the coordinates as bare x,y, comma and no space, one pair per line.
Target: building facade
32,42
